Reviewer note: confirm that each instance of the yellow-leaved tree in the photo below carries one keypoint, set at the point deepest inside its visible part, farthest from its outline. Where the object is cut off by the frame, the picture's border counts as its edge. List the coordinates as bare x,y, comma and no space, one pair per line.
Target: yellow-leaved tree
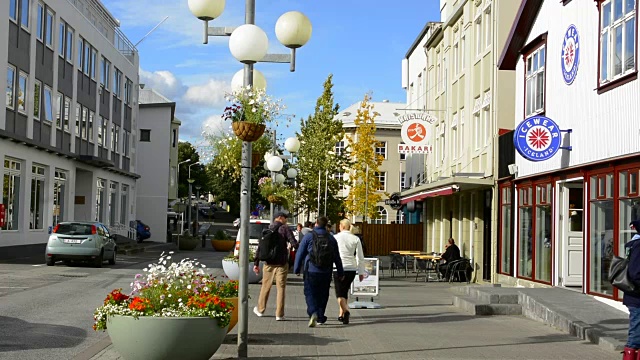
364,194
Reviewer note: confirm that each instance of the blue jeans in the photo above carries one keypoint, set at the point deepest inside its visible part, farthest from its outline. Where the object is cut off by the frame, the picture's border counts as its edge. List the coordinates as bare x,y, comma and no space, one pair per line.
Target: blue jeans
633,341
316,293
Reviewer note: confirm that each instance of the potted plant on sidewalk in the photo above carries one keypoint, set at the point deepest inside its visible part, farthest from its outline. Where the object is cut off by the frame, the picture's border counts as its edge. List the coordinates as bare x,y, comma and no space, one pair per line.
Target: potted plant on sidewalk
221,241
228,291
249,112
175,311
231,267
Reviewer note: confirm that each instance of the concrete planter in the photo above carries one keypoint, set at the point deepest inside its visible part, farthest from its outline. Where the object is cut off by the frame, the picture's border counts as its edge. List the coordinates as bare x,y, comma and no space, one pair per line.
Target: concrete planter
232,270
223,245
162,338
188,243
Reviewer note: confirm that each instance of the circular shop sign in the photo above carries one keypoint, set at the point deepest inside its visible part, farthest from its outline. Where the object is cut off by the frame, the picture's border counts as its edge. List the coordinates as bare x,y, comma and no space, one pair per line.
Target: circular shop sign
570,58
537,138
414,132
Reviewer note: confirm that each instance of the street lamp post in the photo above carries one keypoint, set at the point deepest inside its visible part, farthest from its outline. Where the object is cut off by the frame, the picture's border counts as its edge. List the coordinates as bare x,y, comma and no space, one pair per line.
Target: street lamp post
178,173
249,44
190,181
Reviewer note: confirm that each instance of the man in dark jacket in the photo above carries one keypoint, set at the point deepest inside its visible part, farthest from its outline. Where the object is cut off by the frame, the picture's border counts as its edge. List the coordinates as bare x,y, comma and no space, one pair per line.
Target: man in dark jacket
317,280
452,253
276,269
631,300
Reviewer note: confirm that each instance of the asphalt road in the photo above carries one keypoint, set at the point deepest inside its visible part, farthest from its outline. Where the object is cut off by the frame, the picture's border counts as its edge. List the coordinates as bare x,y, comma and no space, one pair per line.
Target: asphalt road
47,312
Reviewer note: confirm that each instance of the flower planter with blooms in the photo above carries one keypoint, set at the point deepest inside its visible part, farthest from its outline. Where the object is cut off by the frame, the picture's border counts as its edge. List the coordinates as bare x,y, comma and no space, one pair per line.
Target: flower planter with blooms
250,111
231,267
228,291
175,310
275,193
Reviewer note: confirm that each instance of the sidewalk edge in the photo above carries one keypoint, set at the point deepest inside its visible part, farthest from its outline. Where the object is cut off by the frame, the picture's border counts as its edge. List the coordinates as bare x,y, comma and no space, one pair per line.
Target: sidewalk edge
93,350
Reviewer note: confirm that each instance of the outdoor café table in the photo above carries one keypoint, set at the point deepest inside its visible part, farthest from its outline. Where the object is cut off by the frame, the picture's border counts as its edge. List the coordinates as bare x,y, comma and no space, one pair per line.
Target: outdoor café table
434,258
405,254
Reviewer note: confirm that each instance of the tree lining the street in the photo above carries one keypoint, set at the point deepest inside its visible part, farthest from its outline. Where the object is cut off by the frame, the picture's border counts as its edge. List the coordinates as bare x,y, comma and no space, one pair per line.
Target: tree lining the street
187,151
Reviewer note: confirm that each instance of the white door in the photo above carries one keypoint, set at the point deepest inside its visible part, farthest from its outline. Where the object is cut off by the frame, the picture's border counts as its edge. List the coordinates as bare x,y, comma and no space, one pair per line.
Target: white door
572,215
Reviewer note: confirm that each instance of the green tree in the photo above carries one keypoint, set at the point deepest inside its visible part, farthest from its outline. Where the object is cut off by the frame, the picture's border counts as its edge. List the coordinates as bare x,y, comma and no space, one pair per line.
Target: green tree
363,196
198,173
319,134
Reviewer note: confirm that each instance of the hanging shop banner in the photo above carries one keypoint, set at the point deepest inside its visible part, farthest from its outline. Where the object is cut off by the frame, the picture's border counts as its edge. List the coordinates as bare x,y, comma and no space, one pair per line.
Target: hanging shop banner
369,284
537,138
394,201
414,132
570,58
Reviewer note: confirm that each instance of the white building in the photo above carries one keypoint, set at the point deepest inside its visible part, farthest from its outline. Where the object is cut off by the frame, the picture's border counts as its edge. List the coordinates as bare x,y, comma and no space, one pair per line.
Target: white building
67,135
157,160
566,212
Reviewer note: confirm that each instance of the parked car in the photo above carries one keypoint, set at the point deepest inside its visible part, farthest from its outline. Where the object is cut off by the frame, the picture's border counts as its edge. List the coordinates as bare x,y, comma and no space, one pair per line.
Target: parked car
255,232
143,232
81,240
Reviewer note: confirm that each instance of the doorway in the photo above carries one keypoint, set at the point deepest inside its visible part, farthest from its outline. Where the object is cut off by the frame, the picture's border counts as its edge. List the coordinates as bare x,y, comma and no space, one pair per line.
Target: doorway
571,234
486,236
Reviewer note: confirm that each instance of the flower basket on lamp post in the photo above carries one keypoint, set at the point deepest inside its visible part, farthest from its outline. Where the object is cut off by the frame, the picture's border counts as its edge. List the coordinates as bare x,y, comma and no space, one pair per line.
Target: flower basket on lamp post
247,131
249,112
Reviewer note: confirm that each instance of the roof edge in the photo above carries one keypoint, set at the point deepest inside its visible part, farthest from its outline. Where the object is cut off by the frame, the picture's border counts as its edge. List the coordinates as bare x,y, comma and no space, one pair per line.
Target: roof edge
525,18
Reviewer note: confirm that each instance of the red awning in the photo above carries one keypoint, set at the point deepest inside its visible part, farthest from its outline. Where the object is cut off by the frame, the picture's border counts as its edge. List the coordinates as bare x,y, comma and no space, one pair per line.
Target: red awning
431,193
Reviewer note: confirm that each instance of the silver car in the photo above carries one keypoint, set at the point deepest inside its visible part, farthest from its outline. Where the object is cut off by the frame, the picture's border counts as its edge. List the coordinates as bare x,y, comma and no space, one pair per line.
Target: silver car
81,240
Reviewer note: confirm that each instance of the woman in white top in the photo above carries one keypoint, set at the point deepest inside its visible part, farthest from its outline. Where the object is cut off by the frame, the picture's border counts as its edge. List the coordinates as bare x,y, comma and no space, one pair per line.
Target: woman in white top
353,261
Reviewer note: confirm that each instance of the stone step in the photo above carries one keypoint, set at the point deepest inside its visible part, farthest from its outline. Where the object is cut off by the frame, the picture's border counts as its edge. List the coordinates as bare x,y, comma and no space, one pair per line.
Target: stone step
475,307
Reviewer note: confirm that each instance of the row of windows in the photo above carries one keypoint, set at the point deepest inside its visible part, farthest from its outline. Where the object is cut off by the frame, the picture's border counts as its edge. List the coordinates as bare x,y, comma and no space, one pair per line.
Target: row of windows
380,149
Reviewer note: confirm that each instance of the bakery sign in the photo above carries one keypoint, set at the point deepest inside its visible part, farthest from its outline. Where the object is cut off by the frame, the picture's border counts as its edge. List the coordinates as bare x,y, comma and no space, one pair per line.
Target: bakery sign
415,131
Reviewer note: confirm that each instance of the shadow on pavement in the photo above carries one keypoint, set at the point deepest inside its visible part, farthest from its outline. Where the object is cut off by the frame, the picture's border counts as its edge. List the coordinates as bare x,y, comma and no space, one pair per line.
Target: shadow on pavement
284,339
17,334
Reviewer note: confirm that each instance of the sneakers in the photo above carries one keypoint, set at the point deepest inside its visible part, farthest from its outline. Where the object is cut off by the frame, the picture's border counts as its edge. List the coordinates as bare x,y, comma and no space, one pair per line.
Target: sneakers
313,321
258,313
279,318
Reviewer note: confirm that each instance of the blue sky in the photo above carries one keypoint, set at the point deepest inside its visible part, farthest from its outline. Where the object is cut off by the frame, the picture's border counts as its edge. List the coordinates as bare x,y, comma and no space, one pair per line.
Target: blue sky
360,42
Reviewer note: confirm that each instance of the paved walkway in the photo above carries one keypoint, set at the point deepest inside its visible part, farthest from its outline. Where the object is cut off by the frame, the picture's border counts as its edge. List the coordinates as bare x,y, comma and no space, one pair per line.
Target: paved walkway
417,322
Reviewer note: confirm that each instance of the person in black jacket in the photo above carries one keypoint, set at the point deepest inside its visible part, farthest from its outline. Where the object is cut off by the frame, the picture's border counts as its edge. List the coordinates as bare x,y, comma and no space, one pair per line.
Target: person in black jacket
631,300
451,253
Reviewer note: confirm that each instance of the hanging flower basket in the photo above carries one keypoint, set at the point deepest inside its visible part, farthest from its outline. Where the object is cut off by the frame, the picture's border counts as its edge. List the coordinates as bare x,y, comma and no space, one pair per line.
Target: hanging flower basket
247,131
274,199
255,159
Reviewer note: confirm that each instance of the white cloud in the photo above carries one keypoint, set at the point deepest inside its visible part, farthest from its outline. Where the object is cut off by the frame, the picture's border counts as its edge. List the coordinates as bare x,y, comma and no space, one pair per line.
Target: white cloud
164,82
210,94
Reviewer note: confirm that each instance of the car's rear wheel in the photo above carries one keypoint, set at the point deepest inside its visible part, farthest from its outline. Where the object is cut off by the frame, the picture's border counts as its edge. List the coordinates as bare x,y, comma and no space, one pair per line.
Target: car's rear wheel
50,261
139,238
112,261
99,260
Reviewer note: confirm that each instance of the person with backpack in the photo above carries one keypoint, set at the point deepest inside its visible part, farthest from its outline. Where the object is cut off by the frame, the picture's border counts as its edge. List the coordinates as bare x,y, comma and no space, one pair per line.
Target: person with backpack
632,300
316,256
273,248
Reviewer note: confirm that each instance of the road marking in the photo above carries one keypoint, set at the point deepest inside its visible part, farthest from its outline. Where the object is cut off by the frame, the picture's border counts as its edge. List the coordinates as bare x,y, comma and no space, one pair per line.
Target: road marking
13,287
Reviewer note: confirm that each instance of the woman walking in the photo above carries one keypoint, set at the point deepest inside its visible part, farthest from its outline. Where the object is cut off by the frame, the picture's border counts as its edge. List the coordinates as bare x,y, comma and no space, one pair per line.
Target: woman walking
352,258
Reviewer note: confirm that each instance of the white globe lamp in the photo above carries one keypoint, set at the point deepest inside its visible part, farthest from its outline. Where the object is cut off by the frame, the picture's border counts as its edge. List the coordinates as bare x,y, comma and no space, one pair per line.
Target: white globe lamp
206,10
265,166
293,29
248,43
259,81
275,163
292,144
280,179
267,156
292,173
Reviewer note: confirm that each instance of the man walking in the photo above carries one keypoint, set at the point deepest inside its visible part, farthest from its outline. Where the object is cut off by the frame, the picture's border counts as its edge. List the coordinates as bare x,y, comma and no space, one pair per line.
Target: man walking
316,255
277,268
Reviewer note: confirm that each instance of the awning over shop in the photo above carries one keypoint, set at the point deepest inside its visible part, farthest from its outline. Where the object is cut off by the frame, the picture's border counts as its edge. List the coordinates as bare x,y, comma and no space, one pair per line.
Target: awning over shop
431,193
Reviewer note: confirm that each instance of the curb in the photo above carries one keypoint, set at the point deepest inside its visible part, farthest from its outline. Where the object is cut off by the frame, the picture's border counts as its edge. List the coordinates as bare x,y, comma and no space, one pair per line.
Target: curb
93,350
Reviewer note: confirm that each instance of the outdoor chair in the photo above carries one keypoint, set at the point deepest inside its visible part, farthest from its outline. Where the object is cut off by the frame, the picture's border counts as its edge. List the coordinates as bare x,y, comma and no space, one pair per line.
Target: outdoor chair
450,266
397,263
460,268
426,266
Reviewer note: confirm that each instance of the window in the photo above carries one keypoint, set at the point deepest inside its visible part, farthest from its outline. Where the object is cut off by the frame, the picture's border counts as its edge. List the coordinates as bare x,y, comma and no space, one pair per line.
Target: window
525,232
92,115
37,197
381,216
11,86
454,143
535,81
105,73
400,217
117,83
145,135
175,138
479,38
22,93
443,145
381,149
87,59
486,124
113,188
37,91
617,39
61,37
456,56
24,14
113,135
59,194
124,192
382,180
105,127
48,104
403,156
100,184
59,107
116,137
80,52
340,178
462,53
40,25
478,130
128,86
402,180
11,193
83,129
67,111
78,112
13,10
69,44
94,56
340,148
125,143
601,232
48,32
487,26
461,131
535,235
505,231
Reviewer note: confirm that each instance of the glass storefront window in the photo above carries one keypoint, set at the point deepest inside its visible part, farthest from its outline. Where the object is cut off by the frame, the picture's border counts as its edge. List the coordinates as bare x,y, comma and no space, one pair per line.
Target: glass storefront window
100,200
506,230
59,194
37,197
601,252
525,233
11,194
543,242
113,187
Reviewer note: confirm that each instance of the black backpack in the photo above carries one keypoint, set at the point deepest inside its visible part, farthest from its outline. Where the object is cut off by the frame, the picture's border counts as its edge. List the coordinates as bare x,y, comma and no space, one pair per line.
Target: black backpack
268,244
322,251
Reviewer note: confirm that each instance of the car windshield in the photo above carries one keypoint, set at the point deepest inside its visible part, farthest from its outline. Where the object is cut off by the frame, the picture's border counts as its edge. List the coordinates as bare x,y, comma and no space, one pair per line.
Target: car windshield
74,229
255,230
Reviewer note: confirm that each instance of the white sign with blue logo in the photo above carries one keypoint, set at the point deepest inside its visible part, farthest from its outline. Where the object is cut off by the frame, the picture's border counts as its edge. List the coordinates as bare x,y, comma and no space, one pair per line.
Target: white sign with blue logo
570,58
537,138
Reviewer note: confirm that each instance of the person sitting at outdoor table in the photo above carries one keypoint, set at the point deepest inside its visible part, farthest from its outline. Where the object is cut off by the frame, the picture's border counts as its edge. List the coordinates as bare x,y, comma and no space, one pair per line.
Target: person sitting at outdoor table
451,253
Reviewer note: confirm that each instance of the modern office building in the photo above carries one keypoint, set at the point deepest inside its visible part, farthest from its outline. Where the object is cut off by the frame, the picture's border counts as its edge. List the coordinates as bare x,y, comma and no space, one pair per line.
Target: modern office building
574,187
67,135
391,172
452,83
157,160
